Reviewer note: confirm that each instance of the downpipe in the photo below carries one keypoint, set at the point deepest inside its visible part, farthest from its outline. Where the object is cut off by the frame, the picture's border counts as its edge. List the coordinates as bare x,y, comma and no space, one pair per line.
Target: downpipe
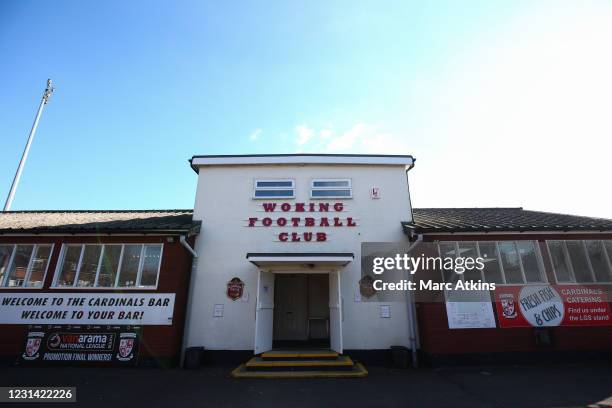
411,309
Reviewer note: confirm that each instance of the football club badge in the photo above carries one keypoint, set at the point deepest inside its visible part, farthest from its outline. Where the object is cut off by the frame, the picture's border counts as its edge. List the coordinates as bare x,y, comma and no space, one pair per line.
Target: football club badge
235,289
366,286
127,342
32,348
508,305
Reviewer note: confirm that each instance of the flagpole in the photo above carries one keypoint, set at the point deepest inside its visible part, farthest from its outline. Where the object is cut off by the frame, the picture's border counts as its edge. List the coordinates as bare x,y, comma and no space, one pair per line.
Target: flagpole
45,99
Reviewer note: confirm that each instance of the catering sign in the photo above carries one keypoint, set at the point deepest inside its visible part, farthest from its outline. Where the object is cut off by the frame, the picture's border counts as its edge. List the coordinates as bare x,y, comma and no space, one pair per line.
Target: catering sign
552,305
87,308
81,345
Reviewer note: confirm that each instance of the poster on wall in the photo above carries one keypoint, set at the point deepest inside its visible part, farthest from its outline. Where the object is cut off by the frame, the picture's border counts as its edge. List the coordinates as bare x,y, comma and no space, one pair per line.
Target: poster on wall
133,309
552,305
470,315
110,345
469,309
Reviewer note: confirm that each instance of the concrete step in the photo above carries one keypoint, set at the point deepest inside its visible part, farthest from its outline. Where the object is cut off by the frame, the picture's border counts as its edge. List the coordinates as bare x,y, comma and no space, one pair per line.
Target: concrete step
344,363
357,371
317,354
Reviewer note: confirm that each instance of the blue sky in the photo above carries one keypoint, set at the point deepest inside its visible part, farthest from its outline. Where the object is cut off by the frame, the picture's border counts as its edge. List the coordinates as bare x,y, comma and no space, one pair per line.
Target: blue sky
502,103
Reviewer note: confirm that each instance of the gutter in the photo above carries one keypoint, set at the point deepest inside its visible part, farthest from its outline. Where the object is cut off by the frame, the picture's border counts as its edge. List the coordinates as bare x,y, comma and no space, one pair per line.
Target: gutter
194,168
188,247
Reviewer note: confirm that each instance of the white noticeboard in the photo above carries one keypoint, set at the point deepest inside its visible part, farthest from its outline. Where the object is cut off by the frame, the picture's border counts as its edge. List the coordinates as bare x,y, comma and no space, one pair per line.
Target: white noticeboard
385,311
87,308
470,315
469,310
218,310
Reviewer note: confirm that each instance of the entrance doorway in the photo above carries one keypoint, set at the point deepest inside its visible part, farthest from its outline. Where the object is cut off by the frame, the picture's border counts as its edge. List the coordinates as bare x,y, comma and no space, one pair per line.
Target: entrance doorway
304,312
301,310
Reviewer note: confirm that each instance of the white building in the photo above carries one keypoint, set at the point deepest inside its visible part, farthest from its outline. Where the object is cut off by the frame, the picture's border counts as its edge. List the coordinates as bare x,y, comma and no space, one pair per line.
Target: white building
290,228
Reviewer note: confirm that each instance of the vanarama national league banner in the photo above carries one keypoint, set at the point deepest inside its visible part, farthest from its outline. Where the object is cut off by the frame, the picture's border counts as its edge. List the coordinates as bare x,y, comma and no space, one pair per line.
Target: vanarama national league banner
107,345
552,305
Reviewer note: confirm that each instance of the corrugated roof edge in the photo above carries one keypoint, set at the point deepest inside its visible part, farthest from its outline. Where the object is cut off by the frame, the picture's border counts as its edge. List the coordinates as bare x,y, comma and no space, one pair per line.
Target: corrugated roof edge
188,210
227,156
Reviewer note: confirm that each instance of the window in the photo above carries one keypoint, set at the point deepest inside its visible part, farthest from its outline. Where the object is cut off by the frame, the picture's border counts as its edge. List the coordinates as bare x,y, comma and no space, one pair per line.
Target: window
150,265
274,189
89,265
24,265
109,266
505,262
577,261
72,255
510,262
331,188
129,265
559,261
469,250
448,250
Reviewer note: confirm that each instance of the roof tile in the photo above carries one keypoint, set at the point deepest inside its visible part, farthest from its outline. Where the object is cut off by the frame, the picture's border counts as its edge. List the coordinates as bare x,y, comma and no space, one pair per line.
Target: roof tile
428,220
97,221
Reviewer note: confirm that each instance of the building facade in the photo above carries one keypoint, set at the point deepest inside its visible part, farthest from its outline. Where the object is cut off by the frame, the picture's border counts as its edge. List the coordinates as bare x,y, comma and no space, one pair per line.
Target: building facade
288,229
276,254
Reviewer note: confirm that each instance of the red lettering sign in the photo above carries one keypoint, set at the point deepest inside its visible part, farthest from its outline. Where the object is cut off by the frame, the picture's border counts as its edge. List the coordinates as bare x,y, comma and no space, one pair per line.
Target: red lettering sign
269,207
295,222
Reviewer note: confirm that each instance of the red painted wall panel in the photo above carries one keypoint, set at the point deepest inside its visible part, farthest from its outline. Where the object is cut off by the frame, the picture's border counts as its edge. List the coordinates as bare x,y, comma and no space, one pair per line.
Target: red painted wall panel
437,338
174,276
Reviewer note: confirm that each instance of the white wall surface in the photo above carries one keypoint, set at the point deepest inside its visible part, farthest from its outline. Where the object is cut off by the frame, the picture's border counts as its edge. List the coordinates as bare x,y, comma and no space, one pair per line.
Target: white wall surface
224,203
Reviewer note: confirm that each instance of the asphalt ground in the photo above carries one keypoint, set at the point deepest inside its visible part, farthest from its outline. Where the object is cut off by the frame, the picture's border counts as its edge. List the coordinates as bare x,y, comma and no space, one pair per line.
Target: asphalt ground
550,385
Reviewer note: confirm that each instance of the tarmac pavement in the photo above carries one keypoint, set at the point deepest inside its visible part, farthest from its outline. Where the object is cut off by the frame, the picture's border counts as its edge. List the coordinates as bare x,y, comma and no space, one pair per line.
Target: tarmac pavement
551,385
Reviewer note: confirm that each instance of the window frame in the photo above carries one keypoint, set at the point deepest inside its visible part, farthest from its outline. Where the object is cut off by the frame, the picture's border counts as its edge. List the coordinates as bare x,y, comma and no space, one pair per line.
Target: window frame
60,262
326,197
28,274
258,180
538,254
568,260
